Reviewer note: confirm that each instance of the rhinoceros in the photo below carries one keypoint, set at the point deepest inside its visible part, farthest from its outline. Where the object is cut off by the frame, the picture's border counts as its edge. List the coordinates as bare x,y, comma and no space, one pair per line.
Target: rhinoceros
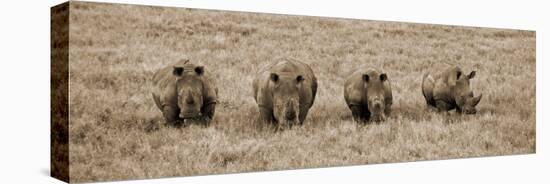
184,91
285,92
449,89
368,94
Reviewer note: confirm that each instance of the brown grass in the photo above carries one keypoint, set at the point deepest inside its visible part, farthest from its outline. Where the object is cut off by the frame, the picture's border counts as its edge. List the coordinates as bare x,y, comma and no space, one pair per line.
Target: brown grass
116,48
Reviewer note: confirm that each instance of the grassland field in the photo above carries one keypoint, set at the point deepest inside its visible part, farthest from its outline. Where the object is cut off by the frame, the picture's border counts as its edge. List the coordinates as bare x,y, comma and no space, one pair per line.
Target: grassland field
116,131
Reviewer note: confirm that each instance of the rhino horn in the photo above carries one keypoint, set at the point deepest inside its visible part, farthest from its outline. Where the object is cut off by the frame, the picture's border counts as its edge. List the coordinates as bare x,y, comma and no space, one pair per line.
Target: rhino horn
477,99
190,99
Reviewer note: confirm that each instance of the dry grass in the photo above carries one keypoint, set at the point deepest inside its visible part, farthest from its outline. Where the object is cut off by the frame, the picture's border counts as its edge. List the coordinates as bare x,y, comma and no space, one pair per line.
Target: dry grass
116,48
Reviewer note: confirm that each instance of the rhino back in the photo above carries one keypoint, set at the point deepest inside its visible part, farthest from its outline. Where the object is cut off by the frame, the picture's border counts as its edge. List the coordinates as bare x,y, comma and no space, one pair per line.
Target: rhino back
164,88
164,77
354,89
262,89
210,89
294,66
262,86
444,81
309,85
164,85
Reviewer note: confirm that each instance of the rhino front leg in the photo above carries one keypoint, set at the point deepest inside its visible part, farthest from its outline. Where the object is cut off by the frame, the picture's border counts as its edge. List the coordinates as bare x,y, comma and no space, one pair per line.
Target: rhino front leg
387,111
359,113
266,115
443,106
303,115
171,115
208,113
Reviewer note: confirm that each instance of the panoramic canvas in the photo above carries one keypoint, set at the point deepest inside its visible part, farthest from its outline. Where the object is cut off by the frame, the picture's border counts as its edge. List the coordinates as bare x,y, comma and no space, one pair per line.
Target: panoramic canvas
147,92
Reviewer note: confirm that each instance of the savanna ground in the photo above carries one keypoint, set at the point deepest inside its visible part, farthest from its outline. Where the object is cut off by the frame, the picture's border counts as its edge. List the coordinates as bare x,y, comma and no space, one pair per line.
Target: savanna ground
116,132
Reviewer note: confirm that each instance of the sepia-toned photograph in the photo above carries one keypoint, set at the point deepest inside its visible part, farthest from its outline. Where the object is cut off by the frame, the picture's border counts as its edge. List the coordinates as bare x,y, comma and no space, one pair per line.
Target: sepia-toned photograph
143,92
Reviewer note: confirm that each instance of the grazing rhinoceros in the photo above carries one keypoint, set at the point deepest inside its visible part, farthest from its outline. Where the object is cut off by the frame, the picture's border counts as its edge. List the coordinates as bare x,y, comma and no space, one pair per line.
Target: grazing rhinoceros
448,89
284,92
184,91
368,94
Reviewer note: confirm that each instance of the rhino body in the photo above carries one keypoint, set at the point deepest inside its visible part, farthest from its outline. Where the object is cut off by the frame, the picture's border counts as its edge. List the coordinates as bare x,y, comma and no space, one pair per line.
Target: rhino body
285,92
368,94
184,91
449,88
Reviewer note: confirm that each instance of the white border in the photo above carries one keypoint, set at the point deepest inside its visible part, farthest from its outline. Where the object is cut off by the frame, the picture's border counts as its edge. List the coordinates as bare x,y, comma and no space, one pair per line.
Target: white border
24,70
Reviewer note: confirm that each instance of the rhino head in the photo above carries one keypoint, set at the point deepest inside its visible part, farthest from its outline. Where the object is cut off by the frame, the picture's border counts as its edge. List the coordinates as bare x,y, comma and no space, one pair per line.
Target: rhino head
374,88
286,97
189,90
463,95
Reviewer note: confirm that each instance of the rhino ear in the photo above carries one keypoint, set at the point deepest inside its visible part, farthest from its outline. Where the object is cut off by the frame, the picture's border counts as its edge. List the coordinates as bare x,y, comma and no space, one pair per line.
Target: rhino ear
274,77
366,77
199,70
299,79
451,80
178,71
383,77
472,74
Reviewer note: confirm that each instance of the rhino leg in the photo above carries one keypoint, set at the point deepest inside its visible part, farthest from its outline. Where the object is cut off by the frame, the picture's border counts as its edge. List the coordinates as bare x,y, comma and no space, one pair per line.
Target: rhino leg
360,113
303,115
443,106
266,115
171,115
208,113
387,111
